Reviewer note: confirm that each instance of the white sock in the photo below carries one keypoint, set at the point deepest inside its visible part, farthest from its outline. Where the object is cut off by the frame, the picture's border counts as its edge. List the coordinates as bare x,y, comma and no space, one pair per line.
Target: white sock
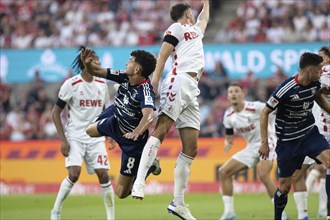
301,203
323,199
181,177
310,180
284,215
228,202
148,156
108,199
64,191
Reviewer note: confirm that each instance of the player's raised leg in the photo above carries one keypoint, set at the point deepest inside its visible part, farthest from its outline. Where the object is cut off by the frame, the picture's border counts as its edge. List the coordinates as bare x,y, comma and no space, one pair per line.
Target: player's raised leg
164,123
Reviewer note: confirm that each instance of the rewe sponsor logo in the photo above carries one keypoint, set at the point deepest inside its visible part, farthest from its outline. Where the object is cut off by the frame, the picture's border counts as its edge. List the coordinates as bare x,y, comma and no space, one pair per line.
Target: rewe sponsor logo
90,103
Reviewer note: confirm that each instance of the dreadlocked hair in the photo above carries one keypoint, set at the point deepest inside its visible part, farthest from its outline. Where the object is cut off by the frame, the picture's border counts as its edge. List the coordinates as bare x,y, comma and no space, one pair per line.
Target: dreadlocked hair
77,65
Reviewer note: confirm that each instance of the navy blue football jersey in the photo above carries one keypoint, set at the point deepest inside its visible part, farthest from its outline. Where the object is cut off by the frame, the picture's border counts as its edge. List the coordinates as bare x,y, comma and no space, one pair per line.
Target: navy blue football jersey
294,103
130,100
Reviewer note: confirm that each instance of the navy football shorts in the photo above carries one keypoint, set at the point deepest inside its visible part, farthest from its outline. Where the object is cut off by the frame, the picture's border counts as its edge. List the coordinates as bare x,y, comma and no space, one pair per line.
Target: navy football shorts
291,154
131,150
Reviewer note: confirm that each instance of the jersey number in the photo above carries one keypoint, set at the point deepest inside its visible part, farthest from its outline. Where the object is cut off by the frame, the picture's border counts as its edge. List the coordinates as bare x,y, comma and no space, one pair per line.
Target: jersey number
103,161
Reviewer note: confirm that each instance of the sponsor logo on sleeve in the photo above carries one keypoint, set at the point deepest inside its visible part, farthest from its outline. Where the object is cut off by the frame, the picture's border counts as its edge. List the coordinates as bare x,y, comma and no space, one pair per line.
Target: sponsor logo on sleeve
148,100
272,102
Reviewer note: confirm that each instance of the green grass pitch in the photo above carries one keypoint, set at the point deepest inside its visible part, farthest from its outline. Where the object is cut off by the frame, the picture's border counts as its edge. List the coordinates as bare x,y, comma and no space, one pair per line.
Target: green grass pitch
202,206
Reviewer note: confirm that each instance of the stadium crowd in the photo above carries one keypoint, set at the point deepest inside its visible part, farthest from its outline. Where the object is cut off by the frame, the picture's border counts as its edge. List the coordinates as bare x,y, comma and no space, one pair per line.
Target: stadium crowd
66,23
277,22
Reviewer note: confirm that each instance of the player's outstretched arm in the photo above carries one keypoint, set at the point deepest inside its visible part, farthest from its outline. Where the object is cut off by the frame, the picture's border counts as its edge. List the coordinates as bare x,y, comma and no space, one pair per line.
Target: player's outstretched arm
165,52
91,67
204,16
264,148
146,121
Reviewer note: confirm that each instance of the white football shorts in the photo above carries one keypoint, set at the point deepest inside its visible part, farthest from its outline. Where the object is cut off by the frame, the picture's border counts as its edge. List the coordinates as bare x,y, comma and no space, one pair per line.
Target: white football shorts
250,154
178,100
95,155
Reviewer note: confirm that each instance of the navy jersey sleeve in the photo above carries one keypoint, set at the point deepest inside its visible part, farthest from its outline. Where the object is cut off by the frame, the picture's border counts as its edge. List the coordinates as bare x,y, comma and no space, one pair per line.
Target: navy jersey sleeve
117,76
279,93
147,96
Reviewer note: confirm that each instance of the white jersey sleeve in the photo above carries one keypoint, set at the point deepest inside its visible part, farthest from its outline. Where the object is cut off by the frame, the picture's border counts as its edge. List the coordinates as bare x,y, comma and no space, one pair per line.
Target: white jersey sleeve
226,121
259,106
65,92
176,31
107,101
322,118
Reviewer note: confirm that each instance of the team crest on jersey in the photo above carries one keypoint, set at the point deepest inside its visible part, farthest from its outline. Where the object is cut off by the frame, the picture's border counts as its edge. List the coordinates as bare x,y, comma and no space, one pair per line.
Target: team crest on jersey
305,105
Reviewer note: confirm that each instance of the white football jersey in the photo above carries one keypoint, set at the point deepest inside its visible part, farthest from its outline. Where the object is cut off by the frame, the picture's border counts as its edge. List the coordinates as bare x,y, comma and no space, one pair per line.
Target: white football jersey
188,55
247,122
322,118
85,101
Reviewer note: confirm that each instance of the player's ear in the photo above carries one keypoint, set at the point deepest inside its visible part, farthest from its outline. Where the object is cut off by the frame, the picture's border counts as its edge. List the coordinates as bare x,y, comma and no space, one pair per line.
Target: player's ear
137,69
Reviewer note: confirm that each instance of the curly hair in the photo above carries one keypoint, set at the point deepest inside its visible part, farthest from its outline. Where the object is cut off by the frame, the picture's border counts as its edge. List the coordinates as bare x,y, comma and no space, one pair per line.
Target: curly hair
146,60
178,10
77,65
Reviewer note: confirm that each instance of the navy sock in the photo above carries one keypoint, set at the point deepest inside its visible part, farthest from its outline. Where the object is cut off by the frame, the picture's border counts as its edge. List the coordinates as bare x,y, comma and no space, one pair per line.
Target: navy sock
280,201
327,188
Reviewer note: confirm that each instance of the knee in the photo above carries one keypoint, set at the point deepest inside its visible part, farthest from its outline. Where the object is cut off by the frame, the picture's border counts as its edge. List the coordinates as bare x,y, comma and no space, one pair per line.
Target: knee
121,194
325,158
223,172
92,130
89,131
284,188
327,161
263,175
74,176
103,176
190,151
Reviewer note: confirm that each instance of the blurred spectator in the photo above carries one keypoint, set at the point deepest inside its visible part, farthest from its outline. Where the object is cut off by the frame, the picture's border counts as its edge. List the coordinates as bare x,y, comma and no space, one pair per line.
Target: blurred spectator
46,125
277,78
250,84
5,129
5,91
214,83
209,128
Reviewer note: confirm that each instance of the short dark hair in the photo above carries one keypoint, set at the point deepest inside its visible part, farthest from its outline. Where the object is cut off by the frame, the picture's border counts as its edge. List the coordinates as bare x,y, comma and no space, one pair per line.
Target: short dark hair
146,60
77,65
178,10
325,50
235,84
309,59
